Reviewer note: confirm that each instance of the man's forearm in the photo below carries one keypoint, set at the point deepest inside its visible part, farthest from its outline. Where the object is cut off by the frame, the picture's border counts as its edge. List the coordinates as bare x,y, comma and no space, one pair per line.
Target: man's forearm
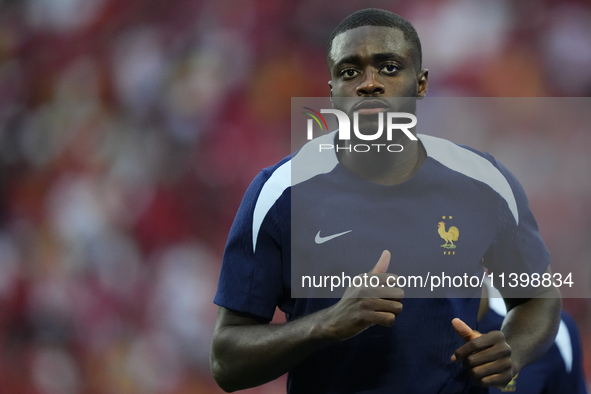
245,356
247,351
530,328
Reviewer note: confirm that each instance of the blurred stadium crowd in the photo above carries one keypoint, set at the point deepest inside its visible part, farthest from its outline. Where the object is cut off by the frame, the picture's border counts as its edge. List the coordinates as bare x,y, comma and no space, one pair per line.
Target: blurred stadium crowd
129,131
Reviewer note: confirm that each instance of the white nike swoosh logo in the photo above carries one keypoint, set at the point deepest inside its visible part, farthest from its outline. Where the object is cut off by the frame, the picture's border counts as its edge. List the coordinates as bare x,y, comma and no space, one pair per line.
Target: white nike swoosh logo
320,240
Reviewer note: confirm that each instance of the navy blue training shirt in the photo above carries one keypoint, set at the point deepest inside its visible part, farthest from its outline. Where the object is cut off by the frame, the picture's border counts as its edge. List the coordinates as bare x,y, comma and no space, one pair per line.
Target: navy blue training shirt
284,227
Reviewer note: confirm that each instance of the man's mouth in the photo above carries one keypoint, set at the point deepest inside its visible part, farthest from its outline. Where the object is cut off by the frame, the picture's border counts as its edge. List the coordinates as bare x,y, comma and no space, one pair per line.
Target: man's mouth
371,107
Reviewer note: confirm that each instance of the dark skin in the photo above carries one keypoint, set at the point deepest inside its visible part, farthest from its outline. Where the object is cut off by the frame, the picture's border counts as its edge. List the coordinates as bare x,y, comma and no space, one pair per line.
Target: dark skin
369,62
375,62
247,351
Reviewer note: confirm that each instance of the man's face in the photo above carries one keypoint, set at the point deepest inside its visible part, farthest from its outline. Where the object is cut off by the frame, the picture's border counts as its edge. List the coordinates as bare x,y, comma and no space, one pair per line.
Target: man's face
375,62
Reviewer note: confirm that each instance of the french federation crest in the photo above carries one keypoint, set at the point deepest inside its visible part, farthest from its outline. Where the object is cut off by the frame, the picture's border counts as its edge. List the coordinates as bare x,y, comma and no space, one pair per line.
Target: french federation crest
449,236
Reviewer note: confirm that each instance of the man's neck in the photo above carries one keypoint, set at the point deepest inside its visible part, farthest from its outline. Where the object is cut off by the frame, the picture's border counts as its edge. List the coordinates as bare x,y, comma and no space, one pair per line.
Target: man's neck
384,167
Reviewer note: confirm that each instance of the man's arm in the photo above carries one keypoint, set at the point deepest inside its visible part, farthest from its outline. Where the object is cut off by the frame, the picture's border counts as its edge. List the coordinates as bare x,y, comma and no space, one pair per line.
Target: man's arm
527,333
531,326
247,351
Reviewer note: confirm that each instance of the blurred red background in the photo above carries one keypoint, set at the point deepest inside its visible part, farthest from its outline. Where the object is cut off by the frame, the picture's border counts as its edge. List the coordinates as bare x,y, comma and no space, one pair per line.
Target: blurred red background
129,131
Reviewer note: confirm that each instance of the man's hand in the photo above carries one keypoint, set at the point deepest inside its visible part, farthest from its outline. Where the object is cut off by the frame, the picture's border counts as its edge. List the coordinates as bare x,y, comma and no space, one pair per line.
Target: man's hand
487,356
247,351
363,307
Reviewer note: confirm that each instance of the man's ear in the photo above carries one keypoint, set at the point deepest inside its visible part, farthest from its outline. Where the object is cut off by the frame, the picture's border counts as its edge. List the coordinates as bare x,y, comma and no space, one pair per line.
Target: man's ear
330,84
422,83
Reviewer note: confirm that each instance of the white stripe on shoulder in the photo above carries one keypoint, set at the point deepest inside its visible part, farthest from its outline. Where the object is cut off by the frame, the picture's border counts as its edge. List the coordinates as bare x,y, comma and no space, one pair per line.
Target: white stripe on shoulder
271,191
306,164
472,165
563,342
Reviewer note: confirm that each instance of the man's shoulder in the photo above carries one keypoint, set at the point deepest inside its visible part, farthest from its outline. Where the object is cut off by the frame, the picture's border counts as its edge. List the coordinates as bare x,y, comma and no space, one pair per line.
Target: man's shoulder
267,172
449,152
475,165
306,163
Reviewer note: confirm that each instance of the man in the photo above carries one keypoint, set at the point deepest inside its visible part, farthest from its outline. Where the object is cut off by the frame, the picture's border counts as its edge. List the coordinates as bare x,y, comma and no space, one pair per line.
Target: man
366,342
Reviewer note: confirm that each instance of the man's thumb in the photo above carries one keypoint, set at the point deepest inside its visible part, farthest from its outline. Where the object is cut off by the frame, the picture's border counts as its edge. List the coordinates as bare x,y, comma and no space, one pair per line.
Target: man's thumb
464,330
382,264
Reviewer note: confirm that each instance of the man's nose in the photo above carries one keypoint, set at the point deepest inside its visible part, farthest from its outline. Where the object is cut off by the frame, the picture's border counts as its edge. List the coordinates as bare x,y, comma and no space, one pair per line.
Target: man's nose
370,85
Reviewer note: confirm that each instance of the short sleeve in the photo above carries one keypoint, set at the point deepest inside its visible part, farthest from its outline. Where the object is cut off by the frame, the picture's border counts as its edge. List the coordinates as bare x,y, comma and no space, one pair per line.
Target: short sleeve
251,278
518,246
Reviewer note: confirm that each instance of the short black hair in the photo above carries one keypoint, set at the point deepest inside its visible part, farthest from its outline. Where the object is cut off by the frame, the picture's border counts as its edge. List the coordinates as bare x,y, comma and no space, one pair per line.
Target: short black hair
377,17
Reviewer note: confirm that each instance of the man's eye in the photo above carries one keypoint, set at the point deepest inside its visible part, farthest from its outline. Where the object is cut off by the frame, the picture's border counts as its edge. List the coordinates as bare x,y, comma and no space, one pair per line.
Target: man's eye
390,69
348,73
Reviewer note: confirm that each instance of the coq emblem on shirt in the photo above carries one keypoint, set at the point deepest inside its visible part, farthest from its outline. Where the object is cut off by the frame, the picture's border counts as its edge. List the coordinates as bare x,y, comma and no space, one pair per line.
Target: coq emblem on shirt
449,236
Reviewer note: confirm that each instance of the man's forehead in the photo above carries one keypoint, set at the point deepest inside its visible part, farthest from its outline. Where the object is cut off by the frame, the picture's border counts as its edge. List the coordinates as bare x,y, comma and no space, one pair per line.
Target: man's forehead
366,40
